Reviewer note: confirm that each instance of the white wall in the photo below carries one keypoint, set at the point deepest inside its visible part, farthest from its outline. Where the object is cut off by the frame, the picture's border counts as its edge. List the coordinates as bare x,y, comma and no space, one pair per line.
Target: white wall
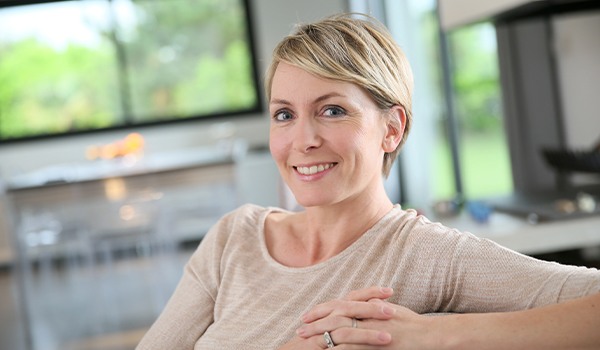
456,13
578,62
273,19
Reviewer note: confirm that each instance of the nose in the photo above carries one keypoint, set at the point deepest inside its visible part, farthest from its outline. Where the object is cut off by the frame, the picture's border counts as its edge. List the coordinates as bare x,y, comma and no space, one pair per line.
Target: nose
306,134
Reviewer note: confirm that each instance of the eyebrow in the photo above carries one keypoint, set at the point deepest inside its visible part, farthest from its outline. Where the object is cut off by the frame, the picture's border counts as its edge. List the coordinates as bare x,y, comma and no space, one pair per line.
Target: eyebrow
317,100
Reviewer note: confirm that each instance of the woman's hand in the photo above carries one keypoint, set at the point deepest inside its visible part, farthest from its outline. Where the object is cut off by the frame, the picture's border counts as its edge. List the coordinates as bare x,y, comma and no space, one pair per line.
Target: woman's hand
311,340
316,342
378,324
382,325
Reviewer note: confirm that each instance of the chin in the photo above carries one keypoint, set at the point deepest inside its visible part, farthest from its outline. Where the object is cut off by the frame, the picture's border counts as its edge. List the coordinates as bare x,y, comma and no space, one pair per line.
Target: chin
310,196
306,203
313,201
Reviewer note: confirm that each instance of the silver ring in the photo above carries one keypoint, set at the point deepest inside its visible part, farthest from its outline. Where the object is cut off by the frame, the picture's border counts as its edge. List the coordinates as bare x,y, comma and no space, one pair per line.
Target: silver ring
354,323
328,340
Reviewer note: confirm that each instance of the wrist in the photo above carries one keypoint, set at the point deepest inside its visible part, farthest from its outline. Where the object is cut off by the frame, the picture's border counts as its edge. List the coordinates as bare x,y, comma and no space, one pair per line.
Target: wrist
444,332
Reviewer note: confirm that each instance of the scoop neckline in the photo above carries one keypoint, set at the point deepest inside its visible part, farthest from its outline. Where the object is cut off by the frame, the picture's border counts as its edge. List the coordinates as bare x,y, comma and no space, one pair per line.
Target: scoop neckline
323,264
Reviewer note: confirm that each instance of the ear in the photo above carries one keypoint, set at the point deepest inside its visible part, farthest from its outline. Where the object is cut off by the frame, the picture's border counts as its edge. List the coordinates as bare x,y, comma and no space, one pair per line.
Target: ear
395,122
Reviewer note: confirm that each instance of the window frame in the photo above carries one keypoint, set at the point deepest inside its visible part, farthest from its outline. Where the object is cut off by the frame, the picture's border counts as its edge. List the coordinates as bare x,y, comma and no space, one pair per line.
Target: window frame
129,121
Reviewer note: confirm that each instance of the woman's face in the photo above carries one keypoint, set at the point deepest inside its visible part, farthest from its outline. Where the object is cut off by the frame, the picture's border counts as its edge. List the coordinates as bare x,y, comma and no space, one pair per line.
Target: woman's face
327,137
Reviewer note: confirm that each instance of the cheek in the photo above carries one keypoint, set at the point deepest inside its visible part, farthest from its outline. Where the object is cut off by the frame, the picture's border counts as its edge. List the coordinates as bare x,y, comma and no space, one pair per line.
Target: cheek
367,140
277,146
369,147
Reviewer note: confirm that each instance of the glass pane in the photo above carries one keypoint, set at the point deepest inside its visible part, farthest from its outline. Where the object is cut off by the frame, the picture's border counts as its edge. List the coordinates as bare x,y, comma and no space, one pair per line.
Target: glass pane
57,69
186,57
425,166
484,156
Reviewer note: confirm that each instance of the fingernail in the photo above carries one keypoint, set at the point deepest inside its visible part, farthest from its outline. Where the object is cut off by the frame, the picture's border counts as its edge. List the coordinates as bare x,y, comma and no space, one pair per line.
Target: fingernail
387,310
386,290
300,331
384,337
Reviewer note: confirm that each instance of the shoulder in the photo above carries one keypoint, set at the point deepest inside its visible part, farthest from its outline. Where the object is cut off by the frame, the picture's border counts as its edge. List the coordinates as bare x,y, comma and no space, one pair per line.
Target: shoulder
409,220
246,212
244,216
418,230
234,229
248,219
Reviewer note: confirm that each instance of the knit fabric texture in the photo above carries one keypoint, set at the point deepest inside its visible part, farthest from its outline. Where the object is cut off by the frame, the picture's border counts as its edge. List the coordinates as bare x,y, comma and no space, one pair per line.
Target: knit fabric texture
234,295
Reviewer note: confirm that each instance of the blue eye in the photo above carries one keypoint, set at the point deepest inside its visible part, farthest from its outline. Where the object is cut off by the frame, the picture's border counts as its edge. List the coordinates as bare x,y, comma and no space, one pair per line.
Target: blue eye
282,116
334,112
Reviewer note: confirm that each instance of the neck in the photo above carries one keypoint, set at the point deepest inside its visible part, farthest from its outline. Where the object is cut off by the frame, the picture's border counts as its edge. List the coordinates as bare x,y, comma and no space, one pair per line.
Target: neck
328,230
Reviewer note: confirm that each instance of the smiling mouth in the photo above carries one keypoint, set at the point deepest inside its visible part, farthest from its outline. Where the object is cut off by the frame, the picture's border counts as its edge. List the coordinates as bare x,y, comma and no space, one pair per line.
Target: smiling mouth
311,170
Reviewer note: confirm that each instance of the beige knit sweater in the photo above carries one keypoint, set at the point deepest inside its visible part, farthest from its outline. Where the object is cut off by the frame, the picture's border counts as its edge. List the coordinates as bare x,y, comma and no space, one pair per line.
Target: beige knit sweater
234,295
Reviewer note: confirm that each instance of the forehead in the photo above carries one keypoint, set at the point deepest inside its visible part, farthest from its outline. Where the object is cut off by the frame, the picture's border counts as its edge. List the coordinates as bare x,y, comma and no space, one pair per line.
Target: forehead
292,82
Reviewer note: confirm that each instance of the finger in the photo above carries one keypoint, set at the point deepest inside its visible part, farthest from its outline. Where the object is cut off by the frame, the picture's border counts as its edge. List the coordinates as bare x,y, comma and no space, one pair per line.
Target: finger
365,294
357,309
326,324
321,326
346,337
334,322
369,293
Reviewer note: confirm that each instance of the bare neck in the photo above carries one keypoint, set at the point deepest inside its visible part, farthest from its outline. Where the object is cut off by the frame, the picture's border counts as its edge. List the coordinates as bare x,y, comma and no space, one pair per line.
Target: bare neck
323,232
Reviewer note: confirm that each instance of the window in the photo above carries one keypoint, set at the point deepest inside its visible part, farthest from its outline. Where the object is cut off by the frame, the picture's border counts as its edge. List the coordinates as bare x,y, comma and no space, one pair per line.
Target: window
428,168
484,156
78,66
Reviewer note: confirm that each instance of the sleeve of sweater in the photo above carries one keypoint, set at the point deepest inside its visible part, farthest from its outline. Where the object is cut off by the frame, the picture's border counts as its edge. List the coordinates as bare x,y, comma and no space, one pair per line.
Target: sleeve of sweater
189,311
485,277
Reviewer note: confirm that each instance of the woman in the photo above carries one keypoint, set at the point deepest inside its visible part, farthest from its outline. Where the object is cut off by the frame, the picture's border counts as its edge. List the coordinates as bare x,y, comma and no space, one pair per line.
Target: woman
353,270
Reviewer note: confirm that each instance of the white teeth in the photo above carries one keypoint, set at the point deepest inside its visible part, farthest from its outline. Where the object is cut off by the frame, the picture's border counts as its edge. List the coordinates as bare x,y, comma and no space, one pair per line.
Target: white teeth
313,169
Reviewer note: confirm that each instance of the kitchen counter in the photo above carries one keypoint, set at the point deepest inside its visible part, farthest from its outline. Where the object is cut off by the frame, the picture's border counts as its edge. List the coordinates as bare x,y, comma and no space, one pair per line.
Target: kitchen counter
516,233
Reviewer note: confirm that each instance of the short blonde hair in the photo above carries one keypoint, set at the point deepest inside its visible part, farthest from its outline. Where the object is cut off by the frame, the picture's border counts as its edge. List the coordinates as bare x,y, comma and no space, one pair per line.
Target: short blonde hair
357,50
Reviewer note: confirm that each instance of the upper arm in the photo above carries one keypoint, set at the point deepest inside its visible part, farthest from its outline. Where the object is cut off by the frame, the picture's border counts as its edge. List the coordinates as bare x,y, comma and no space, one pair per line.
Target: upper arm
486,277
185,317
190,310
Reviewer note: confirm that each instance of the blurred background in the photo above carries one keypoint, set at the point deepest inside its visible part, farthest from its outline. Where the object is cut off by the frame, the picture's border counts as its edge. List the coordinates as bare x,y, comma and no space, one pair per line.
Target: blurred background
128,127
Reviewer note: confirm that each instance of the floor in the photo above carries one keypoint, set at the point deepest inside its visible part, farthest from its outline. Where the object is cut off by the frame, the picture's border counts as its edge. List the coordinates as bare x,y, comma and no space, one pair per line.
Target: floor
12,334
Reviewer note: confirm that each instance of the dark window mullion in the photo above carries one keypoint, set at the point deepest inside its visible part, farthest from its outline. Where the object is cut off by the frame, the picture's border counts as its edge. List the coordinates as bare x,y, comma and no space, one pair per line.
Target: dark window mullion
122,69
451,120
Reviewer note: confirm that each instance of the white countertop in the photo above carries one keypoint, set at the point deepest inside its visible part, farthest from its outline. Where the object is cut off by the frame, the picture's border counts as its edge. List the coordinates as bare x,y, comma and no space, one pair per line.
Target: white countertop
102,169
516,233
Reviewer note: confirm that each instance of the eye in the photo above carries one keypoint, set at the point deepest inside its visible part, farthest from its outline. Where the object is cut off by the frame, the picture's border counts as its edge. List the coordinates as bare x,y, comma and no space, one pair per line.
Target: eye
282,116
334,111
